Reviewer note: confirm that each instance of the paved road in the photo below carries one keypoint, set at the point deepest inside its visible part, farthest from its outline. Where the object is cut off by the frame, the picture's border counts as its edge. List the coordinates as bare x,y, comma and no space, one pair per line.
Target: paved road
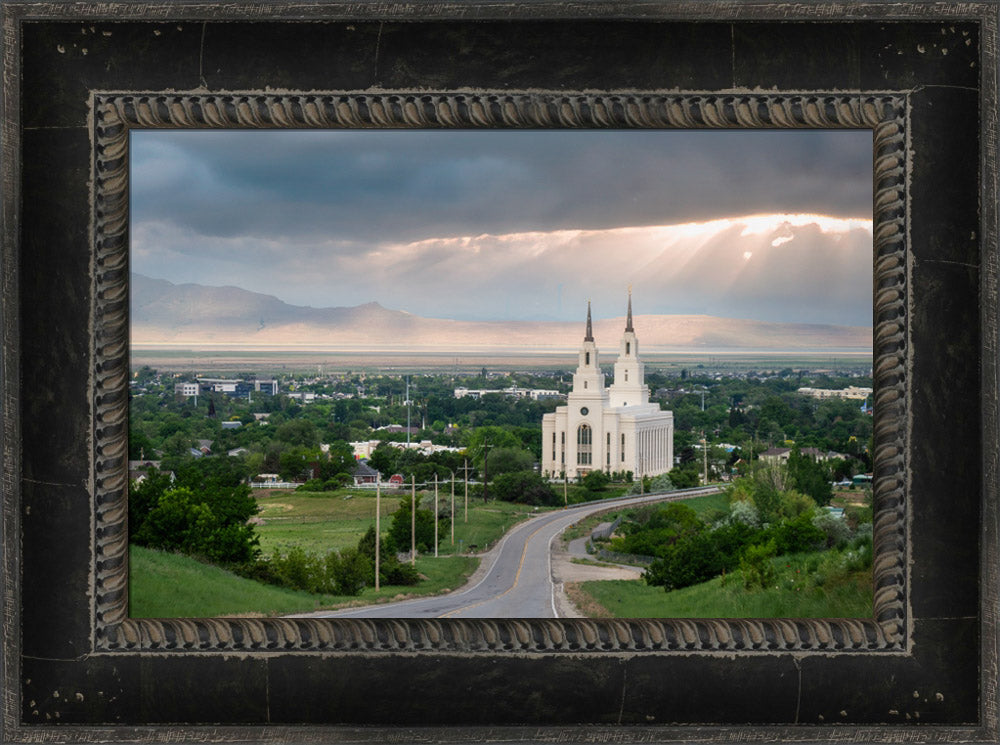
517,582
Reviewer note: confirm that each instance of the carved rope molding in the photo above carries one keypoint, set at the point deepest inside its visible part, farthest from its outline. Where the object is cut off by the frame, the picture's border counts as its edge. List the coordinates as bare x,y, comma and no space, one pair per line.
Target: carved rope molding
115,114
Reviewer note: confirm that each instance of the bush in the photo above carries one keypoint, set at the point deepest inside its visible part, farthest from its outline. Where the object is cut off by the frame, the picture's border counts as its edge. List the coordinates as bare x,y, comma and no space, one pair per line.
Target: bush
756,566
744,513
526,487
835,528
348,572
596,481
298,570
181,521
391,570
797,535
400,528
693,559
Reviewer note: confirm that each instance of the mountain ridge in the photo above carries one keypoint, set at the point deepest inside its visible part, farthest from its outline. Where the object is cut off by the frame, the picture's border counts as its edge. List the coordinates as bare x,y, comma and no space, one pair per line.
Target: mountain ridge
164,313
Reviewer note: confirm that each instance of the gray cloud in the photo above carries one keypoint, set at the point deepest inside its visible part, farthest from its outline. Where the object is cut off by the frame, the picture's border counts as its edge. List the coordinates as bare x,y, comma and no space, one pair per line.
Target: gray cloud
422,220
377,185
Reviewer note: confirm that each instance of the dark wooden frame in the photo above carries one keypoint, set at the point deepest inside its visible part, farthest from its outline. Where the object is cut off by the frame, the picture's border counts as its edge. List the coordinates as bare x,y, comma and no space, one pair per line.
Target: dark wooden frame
922,77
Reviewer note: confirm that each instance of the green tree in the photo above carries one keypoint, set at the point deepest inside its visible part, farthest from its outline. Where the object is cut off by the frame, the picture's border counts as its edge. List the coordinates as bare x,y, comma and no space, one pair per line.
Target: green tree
809,477
400,528
490,438
509,459
391,570
348,571
756,565
526,487
596,481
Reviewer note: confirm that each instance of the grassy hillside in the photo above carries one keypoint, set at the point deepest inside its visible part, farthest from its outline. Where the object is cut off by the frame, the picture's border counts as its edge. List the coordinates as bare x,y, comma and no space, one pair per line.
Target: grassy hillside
166,585
792,594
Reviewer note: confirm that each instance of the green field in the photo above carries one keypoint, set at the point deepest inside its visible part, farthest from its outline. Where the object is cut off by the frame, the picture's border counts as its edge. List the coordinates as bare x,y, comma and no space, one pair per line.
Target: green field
792,595
320,521
166,585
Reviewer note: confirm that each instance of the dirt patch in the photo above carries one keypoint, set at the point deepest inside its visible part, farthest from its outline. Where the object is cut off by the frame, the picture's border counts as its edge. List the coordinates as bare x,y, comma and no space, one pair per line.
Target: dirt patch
584,603
269,506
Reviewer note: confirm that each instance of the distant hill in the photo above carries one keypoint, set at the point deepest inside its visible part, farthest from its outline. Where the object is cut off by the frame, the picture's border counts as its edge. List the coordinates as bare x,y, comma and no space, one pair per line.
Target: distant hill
189,314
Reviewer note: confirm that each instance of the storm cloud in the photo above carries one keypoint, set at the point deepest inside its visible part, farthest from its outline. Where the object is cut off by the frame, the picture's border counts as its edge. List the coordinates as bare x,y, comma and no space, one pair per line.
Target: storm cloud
505,224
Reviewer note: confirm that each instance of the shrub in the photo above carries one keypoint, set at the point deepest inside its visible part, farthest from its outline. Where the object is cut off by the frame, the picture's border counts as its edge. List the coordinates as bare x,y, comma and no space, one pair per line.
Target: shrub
348,572
756,567
691,560
798,534
744,513
526,487
596,481
795,503
400,528
299,570
836,528
391,570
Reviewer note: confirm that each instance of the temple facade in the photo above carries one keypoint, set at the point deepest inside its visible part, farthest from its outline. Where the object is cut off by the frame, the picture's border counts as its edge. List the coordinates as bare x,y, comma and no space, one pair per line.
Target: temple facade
613,428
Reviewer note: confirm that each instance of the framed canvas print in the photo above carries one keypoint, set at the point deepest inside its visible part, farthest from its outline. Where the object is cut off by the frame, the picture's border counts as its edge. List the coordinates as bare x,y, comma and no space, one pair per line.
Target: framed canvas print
134,131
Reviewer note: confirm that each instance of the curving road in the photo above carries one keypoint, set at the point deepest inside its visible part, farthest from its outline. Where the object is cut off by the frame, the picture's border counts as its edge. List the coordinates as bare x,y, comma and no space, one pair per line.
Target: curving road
517,580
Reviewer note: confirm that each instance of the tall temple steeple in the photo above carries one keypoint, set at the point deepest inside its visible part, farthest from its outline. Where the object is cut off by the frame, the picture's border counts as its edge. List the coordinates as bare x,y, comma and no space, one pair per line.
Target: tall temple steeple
589,379
628,322
629,387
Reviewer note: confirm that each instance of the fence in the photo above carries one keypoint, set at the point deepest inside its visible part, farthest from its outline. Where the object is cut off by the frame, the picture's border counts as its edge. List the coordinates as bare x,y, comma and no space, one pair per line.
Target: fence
619,558
602,532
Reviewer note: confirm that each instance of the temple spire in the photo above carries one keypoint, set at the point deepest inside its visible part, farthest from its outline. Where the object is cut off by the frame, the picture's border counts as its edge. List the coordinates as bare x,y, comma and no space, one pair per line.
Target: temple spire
590,326
628,323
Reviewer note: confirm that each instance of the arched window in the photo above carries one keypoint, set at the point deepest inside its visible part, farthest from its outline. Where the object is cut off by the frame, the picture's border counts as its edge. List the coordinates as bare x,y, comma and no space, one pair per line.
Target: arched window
584,446
628,346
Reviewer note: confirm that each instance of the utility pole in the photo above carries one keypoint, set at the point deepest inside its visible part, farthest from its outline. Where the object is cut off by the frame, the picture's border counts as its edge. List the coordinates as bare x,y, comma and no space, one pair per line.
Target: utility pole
465,472
413,520
486,470
452,508
407,412
565,489
435,515
378,526
704,454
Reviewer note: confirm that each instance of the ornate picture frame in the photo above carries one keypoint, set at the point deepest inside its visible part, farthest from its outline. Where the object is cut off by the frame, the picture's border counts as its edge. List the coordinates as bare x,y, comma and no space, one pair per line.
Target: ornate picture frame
922,78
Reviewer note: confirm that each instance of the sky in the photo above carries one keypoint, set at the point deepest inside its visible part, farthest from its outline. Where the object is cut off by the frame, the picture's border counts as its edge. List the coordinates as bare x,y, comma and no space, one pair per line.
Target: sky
771,225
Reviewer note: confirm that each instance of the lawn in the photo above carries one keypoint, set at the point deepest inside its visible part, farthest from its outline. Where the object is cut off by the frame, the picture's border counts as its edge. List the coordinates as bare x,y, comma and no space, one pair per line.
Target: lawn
792,595
167,585
320,521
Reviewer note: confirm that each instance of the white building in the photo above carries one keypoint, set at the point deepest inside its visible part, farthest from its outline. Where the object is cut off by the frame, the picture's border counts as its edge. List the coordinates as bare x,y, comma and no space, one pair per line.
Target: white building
513,392
186,389
852,391
609,429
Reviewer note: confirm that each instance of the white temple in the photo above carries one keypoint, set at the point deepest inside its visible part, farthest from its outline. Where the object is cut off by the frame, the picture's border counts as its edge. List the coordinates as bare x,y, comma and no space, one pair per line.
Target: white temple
612,428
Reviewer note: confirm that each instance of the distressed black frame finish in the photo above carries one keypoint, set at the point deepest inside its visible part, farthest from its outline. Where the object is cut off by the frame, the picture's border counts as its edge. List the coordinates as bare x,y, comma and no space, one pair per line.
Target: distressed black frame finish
922,77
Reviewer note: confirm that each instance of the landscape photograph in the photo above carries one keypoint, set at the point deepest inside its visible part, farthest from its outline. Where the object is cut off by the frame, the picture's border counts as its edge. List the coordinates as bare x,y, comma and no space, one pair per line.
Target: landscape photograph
501,373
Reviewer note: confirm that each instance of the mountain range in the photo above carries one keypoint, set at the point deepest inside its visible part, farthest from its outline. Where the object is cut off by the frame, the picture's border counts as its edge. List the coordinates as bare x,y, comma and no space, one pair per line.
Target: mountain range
167,314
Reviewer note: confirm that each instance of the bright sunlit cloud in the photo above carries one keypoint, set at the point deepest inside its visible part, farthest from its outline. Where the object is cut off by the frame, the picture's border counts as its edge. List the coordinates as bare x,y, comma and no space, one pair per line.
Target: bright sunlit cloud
766,224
